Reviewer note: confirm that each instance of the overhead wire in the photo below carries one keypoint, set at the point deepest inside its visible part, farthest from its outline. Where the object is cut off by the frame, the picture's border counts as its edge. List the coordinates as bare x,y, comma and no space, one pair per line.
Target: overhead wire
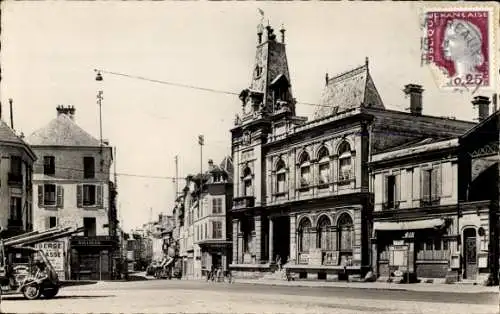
206,89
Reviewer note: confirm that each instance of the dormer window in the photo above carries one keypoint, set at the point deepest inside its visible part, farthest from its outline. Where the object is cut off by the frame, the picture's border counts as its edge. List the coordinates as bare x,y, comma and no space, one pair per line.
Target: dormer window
279,87
258,71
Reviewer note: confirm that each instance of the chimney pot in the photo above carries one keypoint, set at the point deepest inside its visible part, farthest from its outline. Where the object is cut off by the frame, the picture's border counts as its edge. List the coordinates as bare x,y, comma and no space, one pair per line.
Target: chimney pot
69,111
415,91
483,104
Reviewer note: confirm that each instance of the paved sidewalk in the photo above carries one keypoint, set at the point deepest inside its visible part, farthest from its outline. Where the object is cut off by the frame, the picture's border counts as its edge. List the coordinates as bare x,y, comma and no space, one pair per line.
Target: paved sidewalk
457,287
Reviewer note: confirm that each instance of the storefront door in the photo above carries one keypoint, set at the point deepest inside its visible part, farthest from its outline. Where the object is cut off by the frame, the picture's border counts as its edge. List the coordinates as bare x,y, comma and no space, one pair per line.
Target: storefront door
470,250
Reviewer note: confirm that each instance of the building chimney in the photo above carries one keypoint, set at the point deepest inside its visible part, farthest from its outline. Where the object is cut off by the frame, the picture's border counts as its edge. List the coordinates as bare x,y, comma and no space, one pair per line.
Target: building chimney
11,115
483,104
415,92
210,165
69,111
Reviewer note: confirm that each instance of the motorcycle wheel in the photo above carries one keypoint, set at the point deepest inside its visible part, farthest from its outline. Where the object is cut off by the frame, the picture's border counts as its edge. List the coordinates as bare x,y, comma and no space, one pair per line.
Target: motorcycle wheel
32,292
50,293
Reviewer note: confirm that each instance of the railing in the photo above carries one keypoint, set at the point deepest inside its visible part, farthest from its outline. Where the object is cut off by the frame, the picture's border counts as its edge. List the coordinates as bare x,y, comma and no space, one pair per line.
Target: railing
430,201
243,202
329,258
304,258
15,179
390,205
433,255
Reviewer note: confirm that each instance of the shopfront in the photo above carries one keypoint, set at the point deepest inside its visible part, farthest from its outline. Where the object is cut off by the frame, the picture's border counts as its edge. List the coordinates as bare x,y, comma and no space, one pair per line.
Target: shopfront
92,257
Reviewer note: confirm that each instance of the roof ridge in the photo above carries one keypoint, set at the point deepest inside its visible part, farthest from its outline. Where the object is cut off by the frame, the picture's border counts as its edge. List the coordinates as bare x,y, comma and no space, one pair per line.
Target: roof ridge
345,73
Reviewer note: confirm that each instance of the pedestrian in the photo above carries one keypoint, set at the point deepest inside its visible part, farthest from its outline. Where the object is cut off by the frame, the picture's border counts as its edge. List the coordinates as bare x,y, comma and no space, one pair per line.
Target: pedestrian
219,272
278,262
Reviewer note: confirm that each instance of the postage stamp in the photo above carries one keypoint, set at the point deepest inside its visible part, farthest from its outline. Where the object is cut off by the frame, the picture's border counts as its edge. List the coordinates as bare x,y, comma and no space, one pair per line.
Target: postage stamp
459,44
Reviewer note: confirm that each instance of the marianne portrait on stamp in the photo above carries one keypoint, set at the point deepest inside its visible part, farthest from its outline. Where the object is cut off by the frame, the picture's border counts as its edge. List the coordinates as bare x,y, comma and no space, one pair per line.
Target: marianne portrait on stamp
462,44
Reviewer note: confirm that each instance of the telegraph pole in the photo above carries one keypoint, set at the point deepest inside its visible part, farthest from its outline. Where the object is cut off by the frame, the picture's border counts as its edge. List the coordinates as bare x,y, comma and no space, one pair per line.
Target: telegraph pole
176,179
201,141
99,102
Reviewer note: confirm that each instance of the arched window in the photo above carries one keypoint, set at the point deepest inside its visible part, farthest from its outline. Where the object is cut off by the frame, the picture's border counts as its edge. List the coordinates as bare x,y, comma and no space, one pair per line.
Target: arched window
324,233
305,170
324,166
345,229
247,180
345,162
280,176
304,235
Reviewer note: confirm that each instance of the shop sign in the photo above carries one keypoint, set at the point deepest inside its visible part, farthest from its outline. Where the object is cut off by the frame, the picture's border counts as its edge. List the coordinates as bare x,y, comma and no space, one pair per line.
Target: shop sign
92,241
54,251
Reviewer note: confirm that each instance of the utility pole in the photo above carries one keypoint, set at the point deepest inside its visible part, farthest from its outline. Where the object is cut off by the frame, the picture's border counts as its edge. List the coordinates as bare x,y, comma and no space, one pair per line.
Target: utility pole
114,169
11,115
176,179
201,141
99,102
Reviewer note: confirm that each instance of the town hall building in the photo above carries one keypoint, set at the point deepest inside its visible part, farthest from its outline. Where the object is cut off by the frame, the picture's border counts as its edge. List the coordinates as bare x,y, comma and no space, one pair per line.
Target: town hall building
301,188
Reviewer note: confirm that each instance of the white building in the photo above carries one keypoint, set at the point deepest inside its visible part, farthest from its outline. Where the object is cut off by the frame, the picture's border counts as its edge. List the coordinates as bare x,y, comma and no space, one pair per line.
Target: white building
71,181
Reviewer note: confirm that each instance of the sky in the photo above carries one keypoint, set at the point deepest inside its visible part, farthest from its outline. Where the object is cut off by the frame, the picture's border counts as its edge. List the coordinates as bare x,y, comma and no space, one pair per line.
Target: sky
50,50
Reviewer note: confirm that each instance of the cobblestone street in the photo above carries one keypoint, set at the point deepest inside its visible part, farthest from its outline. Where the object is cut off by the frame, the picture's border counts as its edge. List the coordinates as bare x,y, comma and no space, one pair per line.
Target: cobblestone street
163,296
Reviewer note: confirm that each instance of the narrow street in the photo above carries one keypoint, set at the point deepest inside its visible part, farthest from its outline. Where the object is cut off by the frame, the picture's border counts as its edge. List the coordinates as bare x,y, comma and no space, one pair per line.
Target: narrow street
167,296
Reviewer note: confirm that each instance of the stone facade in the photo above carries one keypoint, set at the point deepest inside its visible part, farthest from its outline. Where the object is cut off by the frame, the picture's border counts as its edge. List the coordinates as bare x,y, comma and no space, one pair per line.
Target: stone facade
301,189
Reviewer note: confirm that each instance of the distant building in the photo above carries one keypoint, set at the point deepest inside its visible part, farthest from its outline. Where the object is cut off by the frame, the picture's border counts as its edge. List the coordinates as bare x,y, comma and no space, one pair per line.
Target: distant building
72,182
212,232
16,166
204,237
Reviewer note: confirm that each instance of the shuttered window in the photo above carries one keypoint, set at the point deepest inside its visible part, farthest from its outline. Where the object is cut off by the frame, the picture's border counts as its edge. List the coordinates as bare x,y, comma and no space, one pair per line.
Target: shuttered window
48,194
89,195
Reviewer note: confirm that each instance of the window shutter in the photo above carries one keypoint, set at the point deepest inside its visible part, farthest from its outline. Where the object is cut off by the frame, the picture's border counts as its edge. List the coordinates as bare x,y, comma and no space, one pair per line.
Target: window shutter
99,198
40,196
47,222
385,190
397,187
436,180
79,196
424,185
60,196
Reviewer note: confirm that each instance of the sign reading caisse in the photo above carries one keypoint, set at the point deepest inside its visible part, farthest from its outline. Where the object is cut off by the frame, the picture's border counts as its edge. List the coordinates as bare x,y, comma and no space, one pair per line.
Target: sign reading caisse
54,251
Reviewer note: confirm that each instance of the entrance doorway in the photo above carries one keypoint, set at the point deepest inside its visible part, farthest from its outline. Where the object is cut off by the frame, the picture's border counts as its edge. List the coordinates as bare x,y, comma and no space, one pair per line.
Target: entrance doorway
470,253
216,260
281,238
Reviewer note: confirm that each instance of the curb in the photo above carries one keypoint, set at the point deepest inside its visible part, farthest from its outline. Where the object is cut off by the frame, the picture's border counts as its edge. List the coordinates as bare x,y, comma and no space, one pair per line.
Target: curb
362,287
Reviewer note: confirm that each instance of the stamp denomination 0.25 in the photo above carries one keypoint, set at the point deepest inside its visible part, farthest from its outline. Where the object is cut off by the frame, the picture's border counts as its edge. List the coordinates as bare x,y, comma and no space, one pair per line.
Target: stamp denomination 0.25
460,45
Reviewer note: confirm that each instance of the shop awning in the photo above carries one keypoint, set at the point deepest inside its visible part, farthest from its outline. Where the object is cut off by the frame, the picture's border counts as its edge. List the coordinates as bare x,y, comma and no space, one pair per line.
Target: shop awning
409,225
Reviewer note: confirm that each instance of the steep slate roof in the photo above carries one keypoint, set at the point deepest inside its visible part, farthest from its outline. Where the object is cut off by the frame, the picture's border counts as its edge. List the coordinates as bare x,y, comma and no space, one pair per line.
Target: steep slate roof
349,90
62,131
8,136
416,143
227,166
